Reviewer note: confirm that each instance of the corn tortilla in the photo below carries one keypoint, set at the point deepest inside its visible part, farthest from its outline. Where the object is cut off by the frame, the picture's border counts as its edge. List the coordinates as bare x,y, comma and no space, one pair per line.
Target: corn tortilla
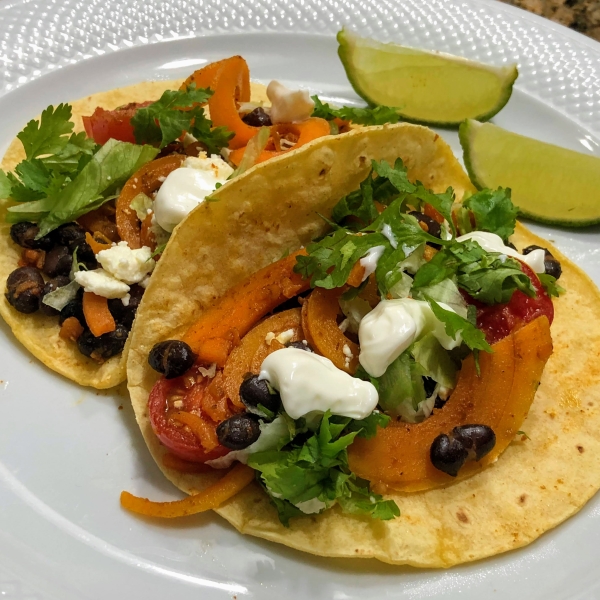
37,332
535,485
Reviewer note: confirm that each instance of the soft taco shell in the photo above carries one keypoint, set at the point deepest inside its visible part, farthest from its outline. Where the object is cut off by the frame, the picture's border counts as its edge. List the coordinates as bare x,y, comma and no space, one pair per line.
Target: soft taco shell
536,483
39,333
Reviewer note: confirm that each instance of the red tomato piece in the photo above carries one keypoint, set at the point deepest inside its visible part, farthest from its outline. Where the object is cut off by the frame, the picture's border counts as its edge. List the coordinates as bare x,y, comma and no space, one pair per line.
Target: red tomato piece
103,125
499,320
178,440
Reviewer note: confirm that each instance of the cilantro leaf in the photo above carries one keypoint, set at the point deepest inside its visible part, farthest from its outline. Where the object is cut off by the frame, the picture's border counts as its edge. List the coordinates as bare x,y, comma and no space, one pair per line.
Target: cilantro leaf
316,468
484,275
47,136
164,121
5,185
549,282
493,211
454,324
361,116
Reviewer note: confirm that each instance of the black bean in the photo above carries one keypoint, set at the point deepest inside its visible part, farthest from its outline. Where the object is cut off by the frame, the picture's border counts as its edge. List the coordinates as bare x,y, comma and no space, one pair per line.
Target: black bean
479,438
447,454
432,227
51,286
74,308
257,118
86,255
24,234
126,314
255,391
299,346
172,358
429,385
24,289
239,431
58,261
511,245
551,265
172,148
70,235
102,347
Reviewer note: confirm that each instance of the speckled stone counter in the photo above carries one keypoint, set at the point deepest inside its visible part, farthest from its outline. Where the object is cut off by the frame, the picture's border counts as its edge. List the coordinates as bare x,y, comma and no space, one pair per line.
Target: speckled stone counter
580,15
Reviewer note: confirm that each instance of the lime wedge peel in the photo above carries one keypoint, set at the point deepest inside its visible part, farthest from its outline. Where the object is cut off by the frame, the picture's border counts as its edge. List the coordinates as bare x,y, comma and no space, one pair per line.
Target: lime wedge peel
549,184
427,87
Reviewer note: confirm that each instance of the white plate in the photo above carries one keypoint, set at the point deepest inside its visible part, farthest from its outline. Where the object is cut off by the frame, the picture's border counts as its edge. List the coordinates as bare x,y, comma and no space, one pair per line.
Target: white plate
66,453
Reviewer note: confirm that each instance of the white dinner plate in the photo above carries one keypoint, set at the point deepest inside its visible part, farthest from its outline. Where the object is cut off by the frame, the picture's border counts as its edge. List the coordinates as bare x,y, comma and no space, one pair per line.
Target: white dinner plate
67,452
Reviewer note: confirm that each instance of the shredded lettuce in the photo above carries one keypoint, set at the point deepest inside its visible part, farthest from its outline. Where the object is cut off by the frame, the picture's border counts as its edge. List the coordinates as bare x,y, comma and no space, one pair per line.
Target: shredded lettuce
253,150
94,185
61,296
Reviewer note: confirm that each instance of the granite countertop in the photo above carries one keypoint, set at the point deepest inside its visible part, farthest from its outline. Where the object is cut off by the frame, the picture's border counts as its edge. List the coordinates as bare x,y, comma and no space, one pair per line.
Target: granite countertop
580,15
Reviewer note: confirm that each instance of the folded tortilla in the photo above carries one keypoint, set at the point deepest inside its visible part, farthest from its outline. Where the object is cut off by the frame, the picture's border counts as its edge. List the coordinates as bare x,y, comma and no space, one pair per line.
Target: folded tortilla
536,483
37,332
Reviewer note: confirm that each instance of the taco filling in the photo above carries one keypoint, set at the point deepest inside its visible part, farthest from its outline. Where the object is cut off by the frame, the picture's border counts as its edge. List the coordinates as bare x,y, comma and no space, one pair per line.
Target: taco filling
91,212
401,351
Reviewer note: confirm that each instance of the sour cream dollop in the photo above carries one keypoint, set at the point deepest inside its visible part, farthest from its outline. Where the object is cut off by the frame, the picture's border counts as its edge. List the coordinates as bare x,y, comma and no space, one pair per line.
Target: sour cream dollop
493,243
188,186
392,326
310,383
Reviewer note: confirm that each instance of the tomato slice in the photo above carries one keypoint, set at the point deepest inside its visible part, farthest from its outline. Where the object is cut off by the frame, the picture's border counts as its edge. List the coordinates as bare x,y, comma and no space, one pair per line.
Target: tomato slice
103,125
499,320
179,440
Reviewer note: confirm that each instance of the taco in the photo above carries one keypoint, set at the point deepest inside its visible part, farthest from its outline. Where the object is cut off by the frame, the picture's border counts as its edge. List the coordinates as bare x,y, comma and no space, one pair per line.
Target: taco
445,470
84,217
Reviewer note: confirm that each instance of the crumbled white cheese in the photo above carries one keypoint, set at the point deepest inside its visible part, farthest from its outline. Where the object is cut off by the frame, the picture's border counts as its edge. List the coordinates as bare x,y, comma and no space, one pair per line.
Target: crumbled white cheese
178,404
348,356
269,337
188,186
285,336
344,325
123,263
101,283
125,299
289,106
210,372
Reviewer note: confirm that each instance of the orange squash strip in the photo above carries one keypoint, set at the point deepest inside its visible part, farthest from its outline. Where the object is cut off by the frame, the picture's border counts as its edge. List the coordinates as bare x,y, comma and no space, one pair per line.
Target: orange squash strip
319,323
242,307
147,237
171,461
232,85
71,329
205,432
306,131
357,275
147,180
97,315
205,77
95,245
212,497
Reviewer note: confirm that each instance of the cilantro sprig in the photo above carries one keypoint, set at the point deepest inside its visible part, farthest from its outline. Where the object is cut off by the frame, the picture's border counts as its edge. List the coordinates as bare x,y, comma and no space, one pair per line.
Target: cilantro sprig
54,156
314,466
491,210
177,112
486,276
361,116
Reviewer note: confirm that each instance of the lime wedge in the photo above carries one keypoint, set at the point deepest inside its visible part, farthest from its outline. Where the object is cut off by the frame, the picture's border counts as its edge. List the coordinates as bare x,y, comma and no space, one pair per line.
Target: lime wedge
427,87
549,184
